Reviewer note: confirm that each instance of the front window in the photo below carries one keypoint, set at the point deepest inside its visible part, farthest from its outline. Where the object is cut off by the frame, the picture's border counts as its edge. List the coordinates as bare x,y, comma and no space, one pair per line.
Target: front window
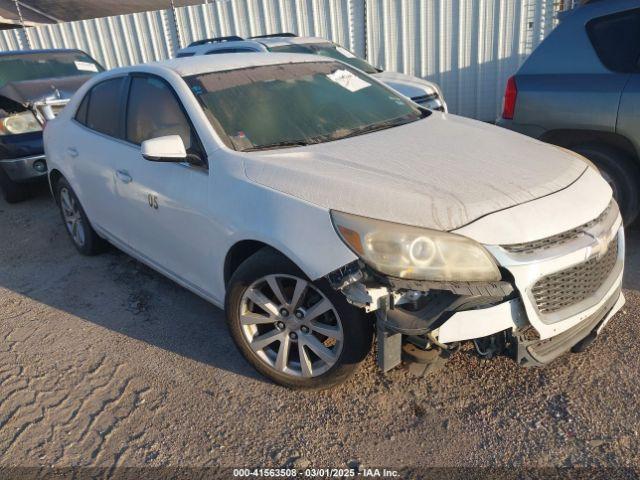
296,104
35,66
330,50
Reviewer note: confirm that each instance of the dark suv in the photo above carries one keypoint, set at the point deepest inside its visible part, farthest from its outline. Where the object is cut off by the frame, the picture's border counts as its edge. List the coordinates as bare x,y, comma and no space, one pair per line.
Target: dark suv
580,89
34,86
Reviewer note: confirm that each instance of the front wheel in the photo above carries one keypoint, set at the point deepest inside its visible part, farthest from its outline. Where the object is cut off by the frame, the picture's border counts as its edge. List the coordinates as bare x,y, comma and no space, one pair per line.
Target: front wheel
298,333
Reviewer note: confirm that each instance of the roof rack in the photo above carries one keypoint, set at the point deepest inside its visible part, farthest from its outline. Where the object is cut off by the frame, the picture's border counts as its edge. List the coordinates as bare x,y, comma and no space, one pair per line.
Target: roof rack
276,35
231,38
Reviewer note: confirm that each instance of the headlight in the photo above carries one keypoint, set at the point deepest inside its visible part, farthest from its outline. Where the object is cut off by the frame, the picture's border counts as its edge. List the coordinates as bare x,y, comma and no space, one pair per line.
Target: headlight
23,122
415,253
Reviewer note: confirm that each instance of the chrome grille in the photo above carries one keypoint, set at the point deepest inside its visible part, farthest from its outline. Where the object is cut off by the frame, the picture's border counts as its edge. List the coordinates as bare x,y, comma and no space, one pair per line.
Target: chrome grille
556,240
567,288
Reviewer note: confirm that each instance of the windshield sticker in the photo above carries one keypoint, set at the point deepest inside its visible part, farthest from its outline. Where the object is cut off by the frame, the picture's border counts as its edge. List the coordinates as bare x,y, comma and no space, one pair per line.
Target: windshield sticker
86,66
345,52
348,80
241,141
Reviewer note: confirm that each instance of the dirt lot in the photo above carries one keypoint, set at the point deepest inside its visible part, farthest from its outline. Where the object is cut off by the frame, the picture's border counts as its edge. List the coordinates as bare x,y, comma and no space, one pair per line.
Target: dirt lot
105,363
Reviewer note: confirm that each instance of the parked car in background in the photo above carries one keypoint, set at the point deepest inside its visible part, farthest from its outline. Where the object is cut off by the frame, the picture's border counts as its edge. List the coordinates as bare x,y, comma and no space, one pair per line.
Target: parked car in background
34,86
423,92
580,89
311,202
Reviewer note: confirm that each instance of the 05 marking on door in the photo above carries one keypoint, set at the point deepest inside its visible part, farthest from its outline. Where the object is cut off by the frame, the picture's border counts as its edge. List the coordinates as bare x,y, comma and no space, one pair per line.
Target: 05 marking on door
153,201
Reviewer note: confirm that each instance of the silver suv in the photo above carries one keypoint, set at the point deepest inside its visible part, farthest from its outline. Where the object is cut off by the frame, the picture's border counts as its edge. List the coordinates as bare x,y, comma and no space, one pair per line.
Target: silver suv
423,92
580,89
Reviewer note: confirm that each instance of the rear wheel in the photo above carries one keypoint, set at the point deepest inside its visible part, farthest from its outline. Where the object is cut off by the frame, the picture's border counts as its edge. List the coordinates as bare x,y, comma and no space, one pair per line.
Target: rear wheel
13,192
622,174
83,236
299,333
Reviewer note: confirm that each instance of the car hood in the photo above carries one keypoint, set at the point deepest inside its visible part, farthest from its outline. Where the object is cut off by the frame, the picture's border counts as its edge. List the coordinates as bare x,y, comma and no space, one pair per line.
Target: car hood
442,172
29,92
407,85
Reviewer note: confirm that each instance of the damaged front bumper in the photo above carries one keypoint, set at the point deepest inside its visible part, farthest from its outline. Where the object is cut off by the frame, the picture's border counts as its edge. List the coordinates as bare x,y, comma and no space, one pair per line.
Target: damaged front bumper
550,300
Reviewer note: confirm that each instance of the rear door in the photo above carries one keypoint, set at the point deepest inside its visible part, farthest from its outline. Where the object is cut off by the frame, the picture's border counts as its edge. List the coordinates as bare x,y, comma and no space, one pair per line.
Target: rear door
166,204
95,150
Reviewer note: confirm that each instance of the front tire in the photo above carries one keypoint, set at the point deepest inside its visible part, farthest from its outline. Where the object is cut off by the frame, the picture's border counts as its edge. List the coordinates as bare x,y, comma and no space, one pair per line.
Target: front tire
82,234
299,333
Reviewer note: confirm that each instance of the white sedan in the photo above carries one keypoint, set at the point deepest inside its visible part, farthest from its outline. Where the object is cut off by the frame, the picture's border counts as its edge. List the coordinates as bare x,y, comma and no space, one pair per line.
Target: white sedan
318,206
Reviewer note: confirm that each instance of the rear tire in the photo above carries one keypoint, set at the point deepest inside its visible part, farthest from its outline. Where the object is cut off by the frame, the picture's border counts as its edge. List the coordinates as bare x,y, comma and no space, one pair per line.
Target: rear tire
622,174
291,359
82,234
13,192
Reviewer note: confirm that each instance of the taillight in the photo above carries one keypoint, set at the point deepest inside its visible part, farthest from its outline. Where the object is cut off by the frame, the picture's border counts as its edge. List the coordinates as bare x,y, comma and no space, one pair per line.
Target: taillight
510,97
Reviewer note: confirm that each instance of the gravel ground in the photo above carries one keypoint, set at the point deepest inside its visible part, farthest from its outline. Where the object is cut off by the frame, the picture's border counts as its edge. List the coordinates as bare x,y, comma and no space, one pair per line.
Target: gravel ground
106,363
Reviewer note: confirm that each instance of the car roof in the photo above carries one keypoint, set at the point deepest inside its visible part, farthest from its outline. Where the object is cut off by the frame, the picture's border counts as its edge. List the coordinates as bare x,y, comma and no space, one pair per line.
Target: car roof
197,65
256,43
47,50
286,40
212,46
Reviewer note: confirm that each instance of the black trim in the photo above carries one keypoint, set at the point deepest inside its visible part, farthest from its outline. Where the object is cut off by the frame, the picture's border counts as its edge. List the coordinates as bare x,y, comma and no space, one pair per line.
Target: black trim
90,94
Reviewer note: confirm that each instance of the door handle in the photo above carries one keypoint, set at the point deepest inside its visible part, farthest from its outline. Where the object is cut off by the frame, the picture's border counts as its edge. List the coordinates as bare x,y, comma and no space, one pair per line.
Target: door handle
124,176
72,151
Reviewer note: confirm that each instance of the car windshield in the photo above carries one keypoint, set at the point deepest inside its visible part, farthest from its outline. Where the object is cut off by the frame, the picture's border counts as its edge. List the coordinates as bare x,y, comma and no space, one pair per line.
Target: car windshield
34,66
328,50
295,104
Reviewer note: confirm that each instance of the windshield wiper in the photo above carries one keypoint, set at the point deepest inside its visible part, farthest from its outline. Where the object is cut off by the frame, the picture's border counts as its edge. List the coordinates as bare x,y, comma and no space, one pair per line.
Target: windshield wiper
374,127
275,145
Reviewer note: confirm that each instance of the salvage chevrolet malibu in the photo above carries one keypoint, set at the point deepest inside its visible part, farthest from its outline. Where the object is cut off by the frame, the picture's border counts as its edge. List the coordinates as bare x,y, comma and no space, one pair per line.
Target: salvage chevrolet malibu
319,207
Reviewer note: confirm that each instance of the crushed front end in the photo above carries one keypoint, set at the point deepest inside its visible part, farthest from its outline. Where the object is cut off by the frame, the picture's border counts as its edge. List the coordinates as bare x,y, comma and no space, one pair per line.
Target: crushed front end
555,294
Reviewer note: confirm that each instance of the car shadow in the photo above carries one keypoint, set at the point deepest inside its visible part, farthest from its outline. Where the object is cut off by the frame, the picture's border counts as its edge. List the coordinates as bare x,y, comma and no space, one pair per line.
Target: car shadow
111,290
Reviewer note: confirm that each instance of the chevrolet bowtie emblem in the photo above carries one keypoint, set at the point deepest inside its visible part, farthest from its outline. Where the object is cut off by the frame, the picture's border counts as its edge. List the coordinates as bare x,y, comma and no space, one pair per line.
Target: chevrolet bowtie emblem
601,245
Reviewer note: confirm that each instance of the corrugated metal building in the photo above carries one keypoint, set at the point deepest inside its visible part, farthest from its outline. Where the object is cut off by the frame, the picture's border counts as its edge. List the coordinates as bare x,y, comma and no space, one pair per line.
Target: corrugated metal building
469,47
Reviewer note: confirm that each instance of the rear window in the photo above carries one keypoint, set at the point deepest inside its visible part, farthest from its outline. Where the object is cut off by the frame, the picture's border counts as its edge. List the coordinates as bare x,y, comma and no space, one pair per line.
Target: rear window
104,109
35,66
616,40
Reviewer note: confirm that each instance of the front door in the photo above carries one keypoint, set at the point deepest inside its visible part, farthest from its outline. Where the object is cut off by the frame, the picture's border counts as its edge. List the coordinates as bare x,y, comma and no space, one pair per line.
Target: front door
166,204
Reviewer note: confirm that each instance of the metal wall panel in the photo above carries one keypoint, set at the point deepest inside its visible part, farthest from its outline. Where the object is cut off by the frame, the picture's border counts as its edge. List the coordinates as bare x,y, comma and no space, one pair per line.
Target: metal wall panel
469,47
113,41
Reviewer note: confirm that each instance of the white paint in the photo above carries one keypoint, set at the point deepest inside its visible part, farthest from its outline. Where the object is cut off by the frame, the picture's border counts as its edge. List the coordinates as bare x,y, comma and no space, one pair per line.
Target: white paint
482,323
170,146
442,172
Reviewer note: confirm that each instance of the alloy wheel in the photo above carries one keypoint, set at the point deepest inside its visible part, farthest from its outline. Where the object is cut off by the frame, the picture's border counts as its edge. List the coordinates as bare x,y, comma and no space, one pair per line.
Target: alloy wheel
291,326
72,216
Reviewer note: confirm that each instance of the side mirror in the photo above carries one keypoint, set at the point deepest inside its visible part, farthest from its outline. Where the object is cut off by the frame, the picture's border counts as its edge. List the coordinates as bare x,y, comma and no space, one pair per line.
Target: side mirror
164,149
